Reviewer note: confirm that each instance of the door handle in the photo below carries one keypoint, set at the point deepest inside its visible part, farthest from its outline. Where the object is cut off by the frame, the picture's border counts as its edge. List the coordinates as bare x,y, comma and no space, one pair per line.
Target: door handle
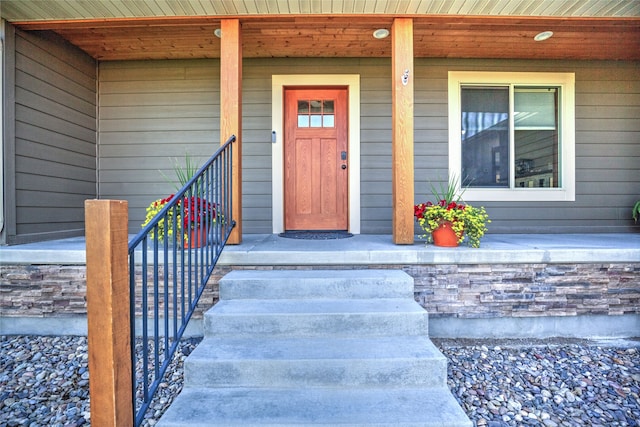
343,166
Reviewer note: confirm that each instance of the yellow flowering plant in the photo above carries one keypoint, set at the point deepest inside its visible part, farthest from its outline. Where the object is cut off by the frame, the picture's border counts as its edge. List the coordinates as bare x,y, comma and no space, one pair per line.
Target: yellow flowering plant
192,209
152,210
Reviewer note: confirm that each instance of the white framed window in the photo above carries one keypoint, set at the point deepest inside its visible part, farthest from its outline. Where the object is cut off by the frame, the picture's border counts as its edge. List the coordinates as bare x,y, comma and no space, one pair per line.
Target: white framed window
512,135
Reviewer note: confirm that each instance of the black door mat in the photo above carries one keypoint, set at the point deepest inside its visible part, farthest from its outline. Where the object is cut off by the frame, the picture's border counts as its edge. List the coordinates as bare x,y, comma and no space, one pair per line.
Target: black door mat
316,235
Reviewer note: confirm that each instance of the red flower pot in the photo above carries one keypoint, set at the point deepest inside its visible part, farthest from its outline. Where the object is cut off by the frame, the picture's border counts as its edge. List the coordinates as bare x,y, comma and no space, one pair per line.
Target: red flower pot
445,236
196,238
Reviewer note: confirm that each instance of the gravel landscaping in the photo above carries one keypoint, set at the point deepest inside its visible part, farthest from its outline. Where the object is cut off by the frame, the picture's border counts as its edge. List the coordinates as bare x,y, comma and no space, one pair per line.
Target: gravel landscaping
44,381
547,383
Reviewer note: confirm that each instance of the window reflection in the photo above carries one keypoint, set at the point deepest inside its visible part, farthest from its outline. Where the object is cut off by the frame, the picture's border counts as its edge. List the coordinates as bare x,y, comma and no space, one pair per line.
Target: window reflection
316,106
303,107
536,137
327,106
485,136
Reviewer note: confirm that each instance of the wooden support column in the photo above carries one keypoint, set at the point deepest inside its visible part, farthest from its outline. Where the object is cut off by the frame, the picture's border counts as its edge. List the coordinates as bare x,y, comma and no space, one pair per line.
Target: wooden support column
109,327
231,111
402,130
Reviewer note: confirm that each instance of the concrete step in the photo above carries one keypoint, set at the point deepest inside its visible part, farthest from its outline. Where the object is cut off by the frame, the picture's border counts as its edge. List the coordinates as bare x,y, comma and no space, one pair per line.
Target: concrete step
291,284
229,407
315,348
397,361
316,317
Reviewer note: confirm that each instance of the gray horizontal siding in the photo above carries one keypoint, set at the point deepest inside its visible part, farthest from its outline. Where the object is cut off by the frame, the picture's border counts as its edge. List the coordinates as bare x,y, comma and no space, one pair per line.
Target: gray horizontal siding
151,115
55,137
152,111
607,145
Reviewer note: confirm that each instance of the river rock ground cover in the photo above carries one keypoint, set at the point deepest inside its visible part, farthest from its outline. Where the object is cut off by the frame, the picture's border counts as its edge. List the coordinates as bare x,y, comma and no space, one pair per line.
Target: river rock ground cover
44,381
552,383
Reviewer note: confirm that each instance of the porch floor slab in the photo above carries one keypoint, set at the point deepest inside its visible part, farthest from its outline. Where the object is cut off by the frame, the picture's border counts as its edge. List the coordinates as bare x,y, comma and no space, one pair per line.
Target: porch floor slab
370,249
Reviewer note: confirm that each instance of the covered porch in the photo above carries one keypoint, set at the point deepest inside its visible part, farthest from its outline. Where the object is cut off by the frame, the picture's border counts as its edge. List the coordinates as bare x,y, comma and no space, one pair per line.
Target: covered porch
225,55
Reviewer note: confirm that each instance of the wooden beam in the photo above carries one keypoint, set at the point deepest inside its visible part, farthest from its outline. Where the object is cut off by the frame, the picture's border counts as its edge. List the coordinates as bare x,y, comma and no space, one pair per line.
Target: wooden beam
402,130
109,325
231,111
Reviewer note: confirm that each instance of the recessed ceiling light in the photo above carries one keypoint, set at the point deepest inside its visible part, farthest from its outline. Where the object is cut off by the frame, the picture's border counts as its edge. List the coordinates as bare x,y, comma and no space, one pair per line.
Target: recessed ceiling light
217,32
381,33
543,36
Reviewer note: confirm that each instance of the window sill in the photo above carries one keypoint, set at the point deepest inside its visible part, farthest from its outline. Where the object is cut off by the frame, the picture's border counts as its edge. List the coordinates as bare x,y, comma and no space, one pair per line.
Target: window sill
519,195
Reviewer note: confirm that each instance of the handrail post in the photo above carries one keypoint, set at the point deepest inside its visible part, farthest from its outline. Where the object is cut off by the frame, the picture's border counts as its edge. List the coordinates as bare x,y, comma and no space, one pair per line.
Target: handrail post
109,328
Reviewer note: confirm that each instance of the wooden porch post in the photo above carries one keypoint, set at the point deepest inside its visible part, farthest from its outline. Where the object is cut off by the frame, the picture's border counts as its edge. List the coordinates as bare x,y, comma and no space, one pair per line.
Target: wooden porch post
109,328
402,130
231,111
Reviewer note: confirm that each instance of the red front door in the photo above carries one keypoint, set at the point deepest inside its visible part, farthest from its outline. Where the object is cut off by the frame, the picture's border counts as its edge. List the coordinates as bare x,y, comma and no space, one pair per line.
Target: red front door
315,159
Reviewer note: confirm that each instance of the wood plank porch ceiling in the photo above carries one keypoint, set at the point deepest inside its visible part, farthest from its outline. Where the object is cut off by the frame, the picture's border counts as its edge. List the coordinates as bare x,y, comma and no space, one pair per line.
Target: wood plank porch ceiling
351,36
161,29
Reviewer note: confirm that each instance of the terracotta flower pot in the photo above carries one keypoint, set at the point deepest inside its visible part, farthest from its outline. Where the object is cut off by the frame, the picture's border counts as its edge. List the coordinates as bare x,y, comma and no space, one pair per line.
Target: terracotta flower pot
196,238
445,236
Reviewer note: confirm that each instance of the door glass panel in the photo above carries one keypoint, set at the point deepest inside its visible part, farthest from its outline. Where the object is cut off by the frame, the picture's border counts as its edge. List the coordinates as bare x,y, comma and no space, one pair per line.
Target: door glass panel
316,106
485,136
303,113
328,121
303,121
327,106
316,113
303,107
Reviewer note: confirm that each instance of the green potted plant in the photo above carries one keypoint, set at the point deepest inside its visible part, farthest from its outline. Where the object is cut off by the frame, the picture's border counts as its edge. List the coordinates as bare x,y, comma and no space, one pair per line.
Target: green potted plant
449,221
635,211
183,174
195,212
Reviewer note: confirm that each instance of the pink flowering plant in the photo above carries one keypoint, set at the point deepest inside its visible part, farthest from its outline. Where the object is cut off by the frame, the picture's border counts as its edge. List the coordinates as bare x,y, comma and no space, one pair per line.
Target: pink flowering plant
468,222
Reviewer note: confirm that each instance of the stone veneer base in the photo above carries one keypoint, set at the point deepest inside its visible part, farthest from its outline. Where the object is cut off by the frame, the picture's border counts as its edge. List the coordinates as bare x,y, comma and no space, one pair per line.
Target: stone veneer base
463,301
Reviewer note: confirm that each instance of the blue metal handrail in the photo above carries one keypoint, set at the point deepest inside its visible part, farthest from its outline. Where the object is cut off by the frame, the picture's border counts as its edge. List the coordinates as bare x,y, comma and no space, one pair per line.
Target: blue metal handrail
170,262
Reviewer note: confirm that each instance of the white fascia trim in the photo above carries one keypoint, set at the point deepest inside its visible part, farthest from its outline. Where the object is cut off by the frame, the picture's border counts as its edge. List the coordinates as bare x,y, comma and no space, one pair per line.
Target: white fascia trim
567,128
278,82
